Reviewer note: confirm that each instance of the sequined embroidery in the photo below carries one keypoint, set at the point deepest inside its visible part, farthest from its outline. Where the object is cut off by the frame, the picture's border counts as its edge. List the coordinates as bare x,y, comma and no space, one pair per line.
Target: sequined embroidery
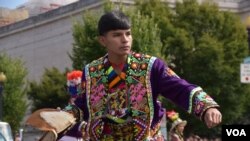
200,101
126,98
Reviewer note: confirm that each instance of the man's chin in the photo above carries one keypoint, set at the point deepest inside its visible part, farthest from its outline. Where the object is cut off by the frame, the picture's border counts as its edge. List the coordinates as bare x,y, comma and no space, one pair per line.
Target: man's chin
126,52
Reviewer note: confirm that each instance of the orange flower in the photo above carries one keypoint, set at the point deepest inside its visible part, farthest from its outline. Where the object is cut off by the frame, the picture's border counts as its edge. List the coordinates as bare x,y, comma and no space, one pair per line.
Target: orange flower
143,66
134,65
92,69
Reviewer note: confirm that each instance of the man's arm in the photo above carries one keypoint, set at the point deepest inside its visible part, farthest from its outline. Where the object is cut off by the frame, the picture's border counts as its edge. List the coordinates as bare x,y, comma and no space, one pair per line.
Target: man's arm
188,96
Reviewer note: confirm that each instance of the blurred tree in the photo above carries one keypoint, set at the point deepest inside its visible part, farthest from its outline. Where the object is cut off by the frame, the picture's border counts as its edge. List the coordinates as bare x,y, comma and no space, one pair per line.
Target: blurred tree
14,93
160,13
50,92
215,44
206,46
86,46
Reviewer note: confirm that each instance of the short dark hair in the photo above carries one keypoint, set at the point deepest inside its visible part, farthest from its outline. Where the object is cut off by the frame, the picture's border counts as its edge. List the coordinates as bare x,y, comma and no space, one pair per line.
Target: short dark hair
113,20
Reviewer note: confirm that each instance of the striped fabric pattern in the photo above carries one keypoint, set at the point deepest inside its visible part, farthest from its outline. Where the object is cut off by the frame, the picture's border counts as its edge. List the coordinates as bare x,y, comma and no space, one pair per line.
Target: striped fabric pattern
114,79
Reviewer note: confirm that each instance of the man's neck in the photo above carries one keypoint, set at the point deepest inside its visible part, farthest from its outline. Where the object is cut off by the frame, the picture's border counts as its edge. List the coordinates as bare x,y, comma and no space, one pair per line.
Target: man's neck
117,62
117,59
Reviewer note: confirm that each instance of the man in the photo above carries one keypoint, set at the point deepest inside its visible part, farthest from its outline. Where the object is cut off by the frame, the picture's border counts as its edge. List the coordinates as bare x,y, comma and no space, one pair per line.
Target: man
120,90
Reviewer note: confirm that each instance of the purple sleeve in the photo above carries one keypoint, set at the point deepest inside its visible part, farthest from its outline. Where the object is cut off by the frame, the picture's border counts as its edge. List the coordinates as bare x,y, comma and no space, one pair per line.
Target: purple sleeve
168,84
188,96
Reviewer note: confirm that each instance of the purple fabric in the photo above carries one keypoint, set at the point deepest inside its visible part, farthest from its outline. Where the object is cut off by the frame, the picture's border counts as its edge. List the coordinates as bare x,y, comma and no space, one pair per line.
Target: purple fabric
171,87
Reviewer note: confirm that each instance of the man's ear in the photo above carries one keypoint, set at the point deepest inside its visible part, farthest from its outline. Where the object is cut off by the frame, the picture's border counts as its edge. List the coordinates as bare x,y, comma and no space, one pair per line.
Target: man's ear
101,40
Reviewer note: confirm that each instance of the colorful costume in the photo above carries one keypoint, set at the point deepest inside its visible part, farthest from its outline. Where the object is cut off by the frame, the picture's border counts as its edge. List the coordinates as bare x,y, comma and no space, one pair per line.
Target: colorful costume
124,106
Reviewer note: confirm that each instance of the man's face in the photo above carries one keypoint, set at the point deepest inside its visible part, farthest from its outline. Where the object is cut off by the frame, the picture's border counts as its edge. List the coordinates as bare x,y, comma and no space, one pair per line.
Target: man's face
117,42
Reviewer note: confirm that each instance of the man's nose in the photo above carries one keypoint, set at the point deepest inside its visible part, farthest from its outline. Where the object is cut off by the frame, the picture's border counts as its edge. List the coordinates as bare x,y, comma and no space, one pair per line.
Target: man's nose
125,38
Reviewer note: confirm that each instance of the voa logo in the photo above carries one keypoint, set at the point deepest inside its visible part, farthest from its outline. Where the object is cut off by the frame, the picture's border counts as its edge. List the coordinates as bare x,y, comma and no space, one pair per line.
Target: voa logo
236,132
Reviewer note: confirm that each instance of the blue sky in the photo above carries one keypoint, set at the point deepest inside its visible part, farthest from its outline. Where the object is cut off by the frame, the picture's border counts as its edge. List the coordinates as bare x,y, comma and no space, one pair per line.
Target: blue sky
12,4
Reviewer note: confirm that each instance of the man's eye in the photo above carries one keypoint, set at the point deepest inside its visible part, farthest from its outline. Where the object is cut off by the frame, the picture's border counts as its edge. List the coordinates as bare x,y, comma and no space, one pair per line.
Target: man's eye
128,33
116,35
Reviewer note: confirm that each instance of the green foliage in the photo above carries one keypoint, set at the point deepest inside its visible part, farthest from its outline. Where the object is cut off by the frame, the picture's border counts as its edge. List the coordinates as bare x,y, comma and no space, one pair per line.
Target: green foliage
207,46
160,13
146,35
50,92
14,93
86,46
217,46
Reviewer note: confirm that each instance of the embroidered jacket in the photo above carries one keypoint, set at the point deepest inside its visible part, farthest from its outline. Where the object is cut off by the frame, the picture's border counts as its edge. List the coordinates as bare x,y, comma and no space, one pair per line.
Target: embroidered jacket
124,106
